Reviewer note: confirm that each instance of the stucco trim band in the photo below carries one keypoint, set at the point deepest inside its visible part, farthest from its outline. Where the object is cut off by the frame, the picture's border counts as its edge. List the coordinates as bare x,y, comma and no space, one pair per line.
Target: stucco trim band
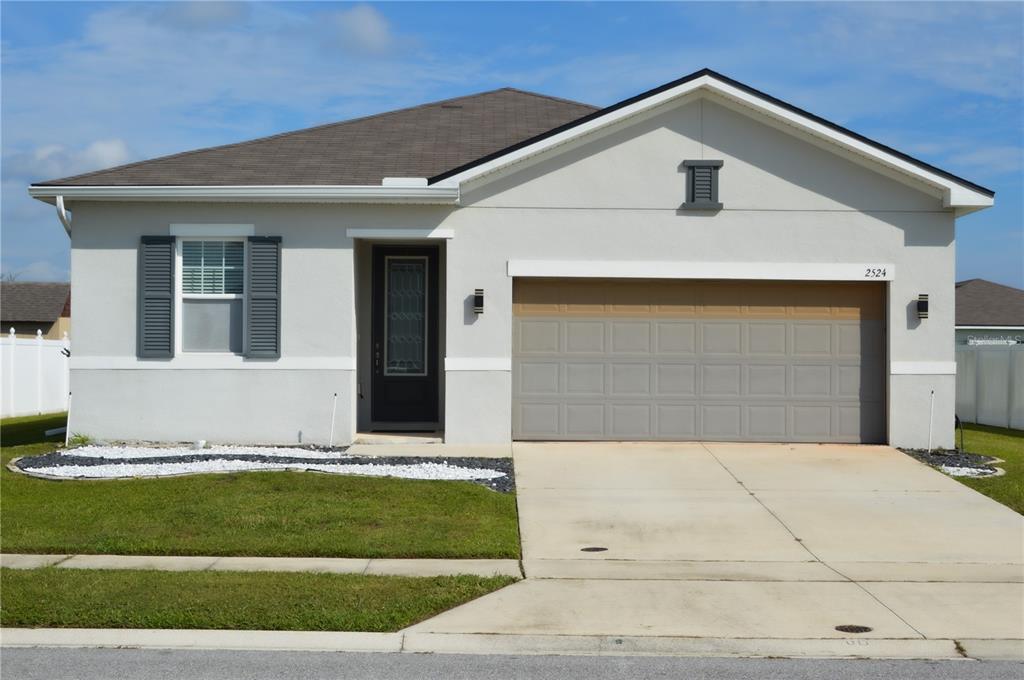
222,362
477,364
776,271
400,233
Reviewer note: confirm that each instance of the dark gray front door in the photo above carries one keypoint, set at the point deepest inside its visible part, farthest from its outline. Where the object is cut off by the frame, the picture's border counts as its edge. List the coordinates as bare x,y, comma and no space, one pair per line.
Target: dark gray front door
405,337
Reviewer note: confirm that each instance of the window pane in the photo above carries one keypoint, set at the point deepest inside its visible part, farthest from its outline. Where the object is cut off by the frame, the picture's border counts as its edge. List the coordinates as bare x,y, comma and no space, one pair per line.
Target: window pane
234,266
211,326
213,267
406,316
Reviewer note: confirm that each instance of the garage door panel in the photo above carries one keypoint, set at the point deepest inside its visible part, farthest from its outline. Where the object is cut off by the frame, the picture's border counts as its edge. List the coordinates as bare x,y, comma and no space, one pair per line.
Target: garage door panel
631,337
631,380
585,420
539,378
766,339
721,421
767,380
585,379
676,337
675,380
767,421
664,360
538,336
630,421
718,338
676,421
720,380
585,337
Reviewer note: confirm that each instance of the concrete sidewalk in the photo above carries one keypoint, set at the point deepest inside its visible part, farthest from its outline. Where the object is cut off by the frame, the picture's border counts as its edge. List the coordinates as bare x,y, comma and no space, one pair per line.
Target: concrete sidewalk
330,565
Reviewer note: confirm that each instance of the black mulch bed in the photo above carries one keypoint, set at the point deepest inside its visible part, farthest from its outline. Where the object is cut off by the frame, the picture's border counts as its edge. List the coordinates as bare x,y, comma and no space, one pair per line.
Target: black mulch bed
505,484
953,458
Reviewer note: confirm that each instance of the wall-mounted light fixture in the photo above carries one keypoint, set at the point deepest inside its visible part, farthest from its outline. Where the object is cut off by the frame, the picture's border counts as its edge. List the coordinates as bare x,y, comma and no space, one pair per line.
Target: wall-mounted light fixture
478,301
922,306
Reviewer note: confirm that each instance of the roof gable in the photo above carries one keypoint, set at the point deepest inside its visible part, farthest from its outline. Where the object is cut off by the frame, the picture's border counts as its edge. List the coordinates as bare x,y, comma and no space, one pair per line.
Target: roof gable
958,192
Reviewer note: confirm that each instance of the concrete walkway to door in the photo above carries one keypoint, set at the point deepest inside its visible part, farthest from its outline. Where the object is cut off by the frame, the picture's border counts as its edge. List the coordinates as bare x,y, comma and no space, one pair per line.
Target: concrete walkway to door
754,541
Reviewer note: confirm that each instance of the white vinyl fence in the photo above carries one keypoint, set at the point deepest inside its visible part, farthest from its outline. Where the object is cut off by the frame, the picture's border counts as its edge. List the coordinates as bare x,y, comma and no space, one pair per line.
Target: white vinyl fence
33,375
990,385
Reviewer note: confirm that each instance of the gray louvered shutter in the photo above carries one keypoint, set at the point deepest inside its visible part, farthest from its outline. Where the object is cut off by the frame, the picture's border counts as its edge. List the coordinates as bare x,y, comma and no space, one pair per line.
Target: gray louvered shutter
156,298
702,184
263,302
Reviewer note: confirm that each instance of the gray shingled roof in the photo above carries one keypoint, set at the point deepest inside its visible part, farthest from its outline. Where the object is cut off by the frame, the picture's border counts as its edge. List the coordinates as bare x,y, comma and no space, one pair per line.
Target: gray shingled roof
422,141
983,303
24,301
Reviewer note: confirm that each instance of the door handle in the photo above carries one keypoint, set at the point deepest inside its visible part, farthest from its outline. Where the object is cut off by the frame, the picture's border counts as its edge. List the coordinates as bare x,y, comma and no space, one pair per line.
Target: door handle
376,357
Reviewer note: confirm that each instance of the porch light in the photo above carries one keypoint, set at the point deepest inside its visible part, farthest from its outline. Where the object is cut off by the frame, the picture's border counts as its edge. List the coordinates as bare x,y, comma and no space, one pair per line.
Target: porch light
922,306
478,301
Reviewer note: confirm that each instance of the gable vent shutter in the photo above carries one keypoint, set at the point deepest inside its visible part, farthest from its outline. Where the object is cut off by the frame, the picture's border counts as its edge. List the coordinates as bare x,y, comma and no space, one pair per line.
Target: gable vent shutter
263,315
702,185
156,298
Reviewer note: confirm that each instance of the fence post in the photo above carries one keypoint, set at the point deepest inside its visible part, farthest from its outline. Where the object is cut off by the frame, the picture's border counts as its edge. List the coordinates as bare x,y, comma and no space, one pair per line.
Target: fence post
12,338
39,372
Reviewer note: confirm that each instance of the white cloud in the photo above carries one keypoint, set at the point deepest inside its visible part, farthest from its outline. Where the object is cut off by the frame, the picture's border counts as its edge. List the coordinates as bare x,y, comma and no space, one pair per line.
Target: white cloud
362,29
52,161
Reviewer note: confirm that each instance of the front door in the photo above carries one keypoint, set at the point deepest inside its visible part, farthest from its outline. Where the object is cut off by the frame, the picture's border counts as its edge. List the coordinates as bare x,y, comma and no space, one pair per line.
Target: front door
405,342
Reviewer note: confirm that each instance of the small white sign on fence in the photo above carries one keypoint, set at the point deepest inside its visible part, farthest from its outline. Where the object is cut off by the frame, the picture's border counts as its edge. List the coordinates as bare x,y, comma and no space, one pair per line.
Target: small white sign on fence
34,375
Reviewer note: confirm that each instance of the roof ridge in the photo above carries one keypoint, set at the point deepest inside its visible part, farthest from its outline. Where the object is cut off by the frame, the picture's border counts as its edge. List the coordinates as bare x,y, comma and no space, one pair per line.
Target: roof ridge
541,95
287,133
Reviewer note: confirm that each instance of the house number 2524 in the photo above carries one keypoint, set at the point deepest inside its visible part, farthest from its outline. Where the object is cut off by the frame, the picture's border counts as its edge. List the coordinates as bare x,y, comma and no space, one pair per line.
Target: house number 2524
874,273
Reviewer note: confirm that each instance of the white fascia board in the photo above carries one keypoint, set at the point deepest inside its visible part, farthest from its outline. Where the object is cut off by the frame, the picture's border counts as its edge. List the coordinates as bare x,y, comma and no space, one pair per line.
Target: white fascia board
955,195
441,195
990,328
393,234
771,271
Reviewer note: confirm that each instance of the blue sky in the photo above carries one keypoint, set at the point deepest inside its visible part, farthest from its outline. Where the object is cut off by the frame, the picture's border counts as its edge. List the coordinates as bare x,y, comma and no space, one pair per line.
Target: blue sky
88,85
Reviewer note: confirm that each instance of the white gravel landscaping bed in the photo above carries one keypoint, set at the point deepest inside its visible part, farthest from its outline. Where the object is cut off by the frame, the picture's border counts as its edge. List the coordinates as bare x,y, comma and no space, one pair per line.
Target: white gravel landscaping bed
134,461
159,469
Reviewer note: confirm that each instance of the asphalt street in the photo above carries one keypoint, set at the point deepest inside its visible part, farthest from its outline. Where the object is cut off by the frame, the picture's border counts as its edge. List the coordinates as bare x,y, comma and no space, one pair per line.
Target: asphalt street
140,664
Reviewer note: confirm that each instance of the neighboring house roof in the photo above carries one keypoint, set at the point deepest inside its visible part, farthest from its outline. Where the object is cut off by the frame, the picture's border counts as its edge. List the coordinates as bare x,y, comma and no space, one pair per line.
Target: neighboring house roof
983,303
450,142
37,302
422,141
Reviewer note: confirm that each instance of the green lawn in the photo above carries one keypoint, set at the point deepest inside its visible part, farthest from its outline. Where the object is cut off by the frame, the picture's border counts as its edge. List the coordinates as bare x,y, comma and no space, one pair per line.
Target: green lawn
71,598
1002,443
253,513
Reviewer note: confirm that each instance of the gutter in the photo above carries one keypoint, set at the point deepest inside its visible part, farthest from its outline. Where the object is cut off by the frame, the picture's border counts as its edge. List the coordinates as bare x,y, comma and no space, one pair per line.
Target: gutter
62,215
395,193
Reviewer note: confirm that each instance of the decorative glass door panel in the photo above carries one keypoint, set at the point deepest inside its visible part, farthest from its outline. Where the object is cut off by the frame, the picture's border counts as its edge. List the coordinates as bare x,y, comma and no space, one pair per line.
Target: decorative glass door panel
405,329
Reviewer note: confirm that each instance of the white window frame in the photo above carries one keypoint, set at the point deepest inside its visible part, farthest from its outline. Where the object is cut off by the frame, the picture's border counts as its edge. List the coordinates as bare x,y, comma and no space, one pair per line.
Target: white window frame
180,296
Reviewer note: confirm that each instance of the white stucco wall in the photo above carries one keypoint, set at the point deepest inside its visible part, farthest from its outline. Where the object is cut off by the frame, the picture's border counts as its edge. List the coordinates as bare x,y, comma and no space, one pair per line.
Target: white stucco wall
616,197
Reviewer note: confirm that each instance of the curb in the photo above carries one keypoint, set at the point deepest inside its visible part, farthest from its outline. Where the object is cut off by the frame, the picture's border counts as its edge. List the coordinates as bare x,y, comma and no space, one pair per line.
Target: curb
472,643
328,565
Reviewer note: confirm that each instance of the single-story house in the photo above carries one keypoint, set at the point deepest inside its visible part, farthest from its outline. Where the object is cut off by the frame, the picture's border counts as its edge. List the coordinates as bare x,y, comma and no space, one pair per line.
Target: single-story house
702,261
32,307
989,313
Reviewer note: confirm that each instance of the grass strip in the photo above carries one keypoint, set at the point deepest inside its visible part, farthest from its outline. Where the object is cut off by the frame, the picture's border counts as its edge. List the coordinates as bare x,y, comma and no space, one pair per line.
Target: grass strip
268,514
71,598
1002,443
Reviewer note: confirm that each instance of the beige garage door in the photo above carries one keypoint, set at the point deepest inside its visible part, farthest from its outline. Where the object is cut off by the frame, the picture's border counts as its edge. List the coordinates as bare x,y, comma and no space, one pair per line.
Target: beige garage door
698,360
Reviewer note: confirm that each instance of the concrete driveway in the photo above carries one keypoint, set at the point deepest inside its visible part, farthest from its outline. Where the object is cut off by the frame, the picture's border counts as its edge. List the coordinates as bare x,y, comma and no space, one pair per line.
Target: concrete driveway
756,542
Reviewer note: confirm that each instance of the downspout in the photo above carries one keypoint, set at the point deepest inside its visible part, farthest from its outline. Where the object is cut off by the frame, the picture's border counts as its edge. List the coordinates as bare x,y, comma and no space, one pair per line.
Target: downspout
63,216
